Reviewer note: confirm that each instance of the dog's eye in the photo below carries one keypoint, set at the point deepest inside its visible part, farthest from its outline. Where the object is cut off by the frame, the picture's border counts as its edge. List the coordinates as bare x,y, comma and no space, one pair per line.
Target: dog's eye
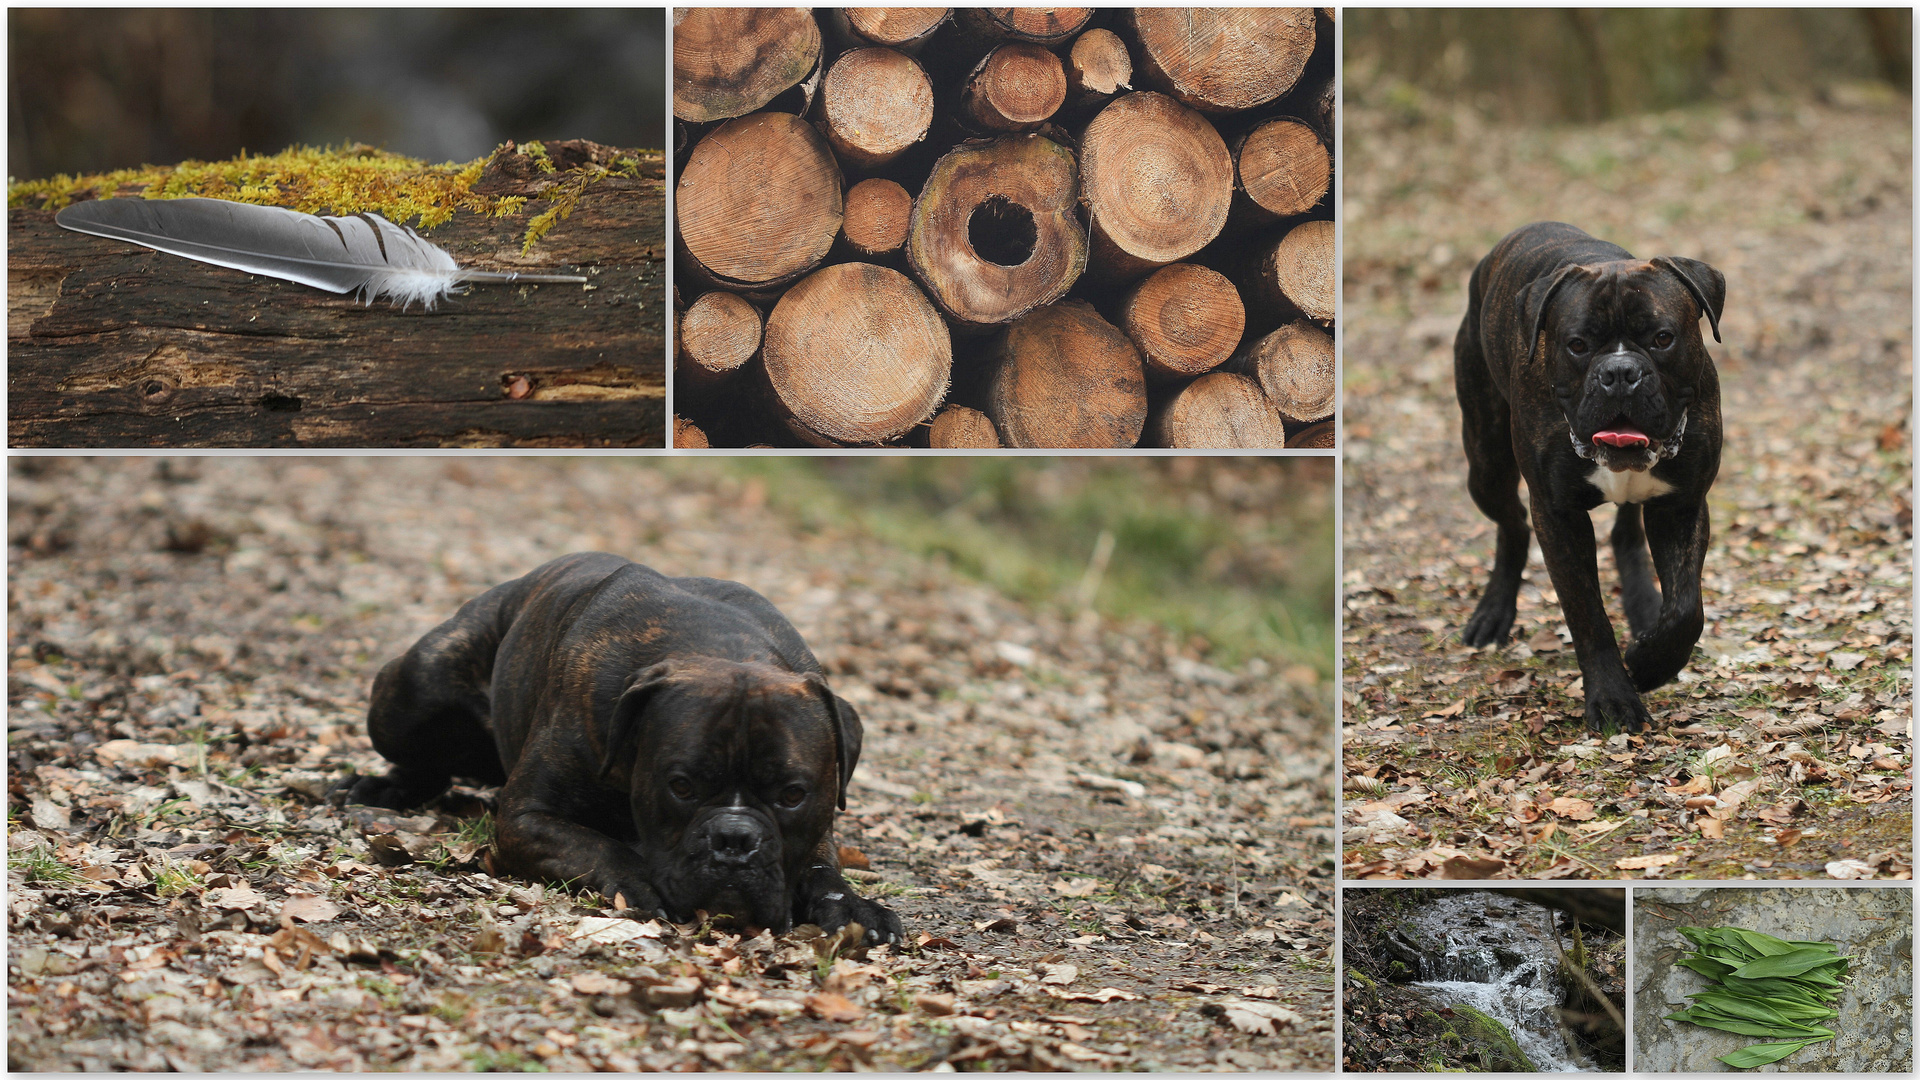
1577,346
1662,339
681,787
793,796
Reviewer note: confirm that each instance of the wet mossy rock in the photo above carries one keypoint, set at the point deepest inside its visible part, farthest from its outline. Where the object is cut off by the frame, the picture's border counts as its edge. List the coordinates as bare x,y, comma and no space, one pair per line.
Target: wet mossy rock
1490,1039
110,344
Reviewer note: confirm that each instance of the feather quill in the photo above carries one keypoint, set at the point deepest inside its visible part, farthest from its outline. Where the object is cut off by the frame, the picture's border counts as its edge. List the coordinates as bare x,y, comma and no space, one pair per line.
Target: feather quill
362,253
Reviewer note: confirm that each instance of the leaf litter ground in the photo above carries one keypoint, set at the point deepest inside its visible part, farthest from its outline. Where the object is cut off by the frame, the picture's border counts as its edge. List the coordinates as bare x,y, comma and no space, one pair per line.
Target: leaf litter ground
1784,751
1109,854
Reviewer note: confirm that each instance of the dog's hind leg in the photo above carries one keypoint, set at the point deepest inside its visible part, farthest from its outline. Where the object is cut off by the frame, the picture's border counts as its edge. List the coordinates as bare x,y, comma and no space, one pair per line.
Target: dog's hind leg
1639,593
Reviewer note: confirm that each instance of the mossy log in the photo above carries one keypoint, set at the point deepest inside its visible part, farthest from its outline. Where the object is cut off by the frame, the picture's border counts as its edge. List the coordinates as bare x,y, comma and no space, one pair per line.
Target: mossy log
114,345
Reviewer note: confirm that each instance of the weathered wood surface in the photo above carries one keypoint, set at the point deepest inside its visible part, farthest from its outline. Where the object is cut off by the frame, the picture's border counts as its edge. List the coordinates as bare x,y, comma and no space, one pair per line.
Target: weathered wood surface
114,345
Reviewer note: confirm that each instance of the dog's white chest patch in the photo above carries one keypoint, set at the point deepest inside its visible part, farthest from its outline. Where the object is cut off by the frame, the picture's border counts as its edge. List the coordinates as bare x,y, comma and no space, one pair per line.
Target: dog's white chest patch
1622,488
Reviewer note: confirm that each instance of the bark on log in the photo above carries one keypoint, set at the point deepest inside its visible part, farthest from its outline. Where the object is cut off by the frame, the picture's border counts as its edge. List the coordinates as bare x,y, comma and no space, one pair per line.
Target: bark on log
1219,411
1158,183
877,216
1064,377
687,435
1299,270
1282,166
960,428
905,29
1295,369
1016,88
113,345
856,355
1185,318
994,231
727,62
759,203
1320,436
1042,26
1223,59
1097,68
873,105
719,333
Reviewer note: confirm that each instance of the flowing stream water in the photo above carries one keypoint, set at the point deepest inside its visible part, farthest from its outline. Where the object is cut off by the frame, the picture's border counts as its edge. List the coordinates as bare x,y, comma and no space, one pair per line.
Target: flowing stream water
1490,952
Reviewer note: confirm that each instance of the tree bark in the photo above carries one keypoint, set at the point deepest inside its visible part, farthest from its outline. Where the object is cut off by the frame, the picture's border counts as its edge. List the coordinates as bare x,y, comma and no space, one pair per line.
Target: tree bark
905,29
1298,271
873,105
877,216
994,232
759,203
1295,369
1016,88
1158,183
1064,377
1042,26
856,355
1185,318
1097,68
960,428
113,345
727,62
1282,167
1219,411
719,333
1223,59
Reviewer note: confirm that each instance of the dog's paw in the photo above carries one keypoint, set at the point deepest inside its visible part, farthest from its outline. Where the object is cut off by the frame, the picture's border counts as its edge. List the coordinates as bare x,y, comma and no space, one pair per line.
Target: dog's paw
633,898
394,791
837,908
1611,710
1489,626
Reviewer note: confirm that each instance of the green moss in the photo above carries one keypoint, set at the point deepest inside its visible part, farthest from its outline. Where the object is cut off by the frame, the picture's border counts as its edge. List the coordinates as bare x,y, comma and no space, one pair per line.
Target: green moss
335,180
1492,1041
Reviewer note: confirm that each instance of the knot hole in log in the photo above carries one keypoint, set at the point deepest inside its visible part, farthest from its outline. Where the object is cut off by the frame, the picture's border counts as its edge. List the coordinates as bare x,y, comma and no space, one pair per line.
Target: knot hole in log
1002,232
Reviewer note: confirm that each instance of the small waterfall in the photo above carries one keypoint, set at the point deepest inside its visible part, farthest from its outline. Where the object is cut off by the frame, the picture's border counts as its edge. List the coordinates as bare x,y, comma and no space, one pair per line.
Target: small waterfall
1511,982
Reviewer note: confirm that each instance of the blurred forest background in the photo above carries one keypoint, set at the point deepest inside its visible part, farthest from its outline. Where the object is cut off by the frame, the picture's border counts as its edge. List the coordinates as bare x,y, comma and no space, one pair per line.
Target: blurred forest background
90,90
1562,64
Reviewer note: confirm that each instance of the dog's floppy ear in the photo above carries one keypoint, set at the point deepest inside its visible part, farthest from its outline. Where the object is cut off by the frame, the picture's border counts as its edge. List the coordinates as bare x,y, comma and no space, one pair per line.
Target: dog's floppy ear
1708,286
623,728
846,732
1534,299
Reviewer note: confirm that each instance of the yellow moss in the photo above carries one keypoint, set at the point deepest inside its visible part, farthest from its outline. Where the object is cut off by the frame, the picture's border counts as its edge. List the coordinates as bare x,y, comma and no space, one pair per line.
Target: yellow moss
334,180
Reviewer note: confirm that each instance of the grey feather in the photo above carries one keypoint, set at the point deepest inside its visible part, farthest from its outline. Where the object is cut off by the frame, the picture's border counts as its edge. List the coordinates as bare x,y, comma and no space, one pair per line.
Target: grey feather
363,253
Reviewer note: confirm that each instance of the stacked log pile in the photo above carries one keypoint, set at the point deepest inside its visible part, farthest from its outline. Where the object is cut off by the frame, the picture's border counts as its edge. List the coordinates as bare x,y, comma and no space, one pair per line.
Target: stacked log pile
1004,227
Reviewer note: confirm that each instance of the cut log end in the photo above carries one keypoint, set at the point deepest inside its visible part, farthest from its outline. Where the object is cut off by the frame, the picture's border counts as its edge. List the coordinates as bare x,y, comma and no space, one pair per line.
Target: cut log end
1064,377
894,26
687,435
1186,319
1300,269
1044,26
1294,366
759,203
960,428
1016,88
1098,64
855,354
1284,167
878,213
1320,436
874,104
719,333
727,62
1224,59
1158,181
994,231
1221,411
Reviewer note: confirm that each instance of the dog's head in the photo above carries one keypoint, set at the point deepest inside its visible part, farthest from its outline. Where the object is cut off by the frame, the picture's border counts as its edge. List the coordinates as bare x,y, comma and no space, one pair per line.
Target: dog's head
1623,347
736,772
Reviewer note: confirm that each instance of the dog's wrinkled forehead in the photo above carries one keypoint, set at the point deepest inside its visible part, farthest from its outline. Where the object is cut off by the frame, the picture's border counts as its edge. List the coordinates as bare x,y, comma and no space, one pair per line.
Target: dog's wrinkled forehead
749,699
1614,295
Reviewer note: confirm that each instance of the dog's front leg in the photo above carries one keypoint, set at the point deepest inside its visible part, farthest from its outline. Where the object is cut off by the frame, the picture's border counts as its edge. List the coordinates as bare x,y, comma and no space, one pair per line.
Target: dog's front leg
1678,534
536,836
1566,540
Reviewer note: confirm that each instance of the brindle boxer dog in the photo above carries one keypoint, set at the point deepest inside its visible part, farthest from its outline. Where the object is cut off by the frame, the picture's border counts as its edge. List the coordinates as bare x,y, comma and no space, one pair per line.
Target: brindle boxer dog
1581,369
668,740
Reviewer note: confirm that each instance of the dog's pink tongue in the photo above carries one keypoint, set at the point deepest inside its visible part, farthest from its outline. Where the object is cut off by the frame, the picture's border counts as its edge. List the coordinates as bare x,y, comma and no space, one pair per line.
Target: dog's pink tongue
1622,436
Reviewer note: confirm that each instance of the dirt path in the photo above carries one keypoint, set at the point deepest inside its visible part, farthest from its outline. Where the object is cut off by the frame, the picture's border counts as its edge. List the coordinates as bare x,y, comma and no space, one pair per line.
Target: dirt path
1791,730
1108,854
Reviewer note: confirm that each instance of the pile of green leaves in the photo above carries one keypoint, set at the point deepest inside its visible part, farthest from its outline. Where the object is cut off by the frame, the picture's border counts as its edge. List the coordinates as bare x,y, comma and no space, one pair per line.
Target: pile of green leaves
1762,986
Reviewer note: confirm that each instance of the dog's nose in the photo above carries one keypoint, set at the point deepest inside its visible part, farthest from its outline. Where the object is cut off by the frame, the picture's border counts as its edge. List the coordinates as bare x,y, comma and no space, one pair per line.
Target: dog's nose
1620,374
734,838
